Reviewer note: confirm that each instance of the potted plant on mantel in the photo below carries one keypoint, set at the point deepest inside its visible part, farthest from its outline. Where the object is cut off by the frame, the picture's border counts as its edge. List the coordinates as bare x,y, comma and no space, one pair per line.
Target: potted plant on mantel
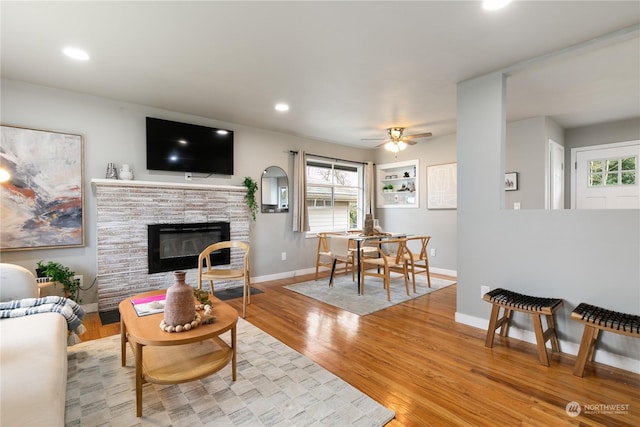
59,273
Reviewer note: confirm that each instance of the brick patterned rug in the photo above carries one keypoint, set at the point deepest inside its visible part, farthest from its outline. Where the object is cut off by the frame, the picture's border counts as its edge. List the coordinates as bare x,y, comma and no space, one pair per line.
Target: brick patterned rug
344,293
276,386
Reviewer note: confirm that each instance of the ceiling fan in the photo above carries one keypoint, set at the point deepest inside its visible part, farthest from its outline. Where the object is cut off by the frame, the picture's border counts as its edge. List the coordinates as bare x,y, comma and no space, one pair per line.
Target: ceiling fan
396,141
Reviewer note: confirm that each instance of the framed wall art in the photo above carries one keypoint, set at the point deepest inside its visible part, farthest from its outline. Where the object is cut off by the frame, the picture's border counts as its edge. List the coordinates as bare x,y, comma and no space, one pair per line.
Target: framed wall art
511,181
442,186
41,193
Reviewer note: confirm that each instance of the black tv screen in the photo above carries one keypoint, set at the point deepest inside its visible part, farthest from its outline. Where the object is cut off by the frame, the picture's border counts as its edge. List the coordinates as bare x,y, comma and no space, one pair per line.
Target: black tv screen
182,147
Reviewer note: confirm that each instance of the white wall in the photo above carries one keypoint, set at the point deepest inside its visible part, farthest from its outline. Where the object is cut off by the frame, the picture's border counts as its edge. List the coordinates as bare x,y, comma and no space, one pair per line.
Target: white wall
601,133
115,132
525,154
439,224
535,252
580,256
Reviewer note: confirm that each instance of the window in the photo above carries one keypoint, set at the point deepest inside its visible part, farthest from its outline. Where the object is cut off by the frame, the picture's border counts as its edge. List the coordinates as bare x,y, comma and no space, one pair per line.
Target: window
334,195
615,171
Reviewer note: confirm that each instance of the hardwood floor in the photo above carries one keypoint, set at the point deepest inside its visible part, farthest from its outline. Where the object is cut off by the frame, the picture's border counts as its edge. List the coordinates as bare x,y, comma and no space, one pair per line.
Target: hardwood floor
416,360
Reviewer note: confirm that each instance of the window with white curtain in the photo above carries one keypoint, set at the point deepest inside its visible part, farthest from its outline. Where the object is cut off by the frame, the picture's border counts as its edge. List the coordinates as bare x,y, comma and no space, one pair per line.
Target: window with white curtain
334,194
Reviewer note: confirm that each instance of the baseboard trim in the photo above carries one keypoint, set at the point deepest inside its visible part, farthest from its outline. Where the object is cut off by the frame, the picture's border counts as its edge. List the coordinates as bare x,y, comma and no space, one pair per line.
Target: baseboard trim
90,307
602,356
290,274
443,271
283,275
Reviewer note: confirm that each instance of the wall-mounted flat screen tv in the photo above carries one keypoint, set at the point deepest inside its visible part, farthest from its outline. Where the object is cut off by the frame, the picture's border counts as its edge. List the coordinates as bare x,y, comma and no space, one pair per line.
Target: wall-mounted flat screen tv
182,147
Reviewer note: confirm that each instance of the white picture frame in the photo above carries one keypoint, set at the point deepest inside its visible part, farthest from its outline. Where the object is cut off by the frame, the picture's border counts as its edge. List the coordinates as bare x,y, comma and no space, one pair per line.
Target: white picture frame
511,181
442,186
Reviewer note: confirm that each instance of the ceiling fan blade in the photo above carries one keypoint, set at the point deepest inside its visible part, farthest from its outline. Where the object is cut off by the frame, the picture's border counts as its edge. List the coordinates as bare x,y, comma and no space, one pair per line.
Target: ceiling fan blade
383,144
409,142
419,135
372,139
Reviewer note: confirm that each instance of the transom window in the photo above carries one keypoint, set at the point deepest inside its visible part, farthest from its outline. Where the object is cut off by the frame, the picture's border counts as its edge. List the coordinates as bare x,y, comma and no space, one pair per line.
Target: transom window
612,172
334,195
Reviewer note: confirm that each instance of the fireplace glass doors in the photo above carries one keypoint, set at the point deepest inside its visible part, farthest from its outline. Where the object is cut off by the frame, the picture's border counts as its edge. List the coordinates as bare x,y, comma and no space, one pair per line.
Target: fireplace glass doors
177,246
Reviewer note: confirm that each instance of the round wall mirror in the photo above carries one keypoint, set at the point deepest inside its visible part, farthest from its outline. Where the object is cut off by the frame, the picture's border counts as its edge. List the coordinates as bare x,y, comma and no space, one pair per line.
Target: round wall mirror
275,190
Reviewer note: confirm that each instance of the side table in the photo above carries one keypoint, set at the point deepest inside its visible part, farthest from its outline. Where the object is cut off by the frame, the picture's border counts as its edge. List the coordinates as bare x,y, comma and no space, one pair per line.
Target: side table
172,358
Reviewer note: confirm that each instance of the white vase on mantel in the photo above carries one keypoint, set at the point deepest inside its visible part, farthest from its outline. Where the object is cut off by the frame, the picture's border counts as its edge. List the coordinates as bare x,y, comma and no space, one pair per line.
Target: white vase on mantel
126,172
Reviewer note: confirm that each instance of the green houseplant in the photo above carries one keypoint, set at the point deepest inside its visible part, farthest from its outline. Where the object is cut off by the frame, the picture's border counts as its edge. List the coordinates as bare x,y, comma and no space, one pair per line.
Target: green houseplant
250,197
59,273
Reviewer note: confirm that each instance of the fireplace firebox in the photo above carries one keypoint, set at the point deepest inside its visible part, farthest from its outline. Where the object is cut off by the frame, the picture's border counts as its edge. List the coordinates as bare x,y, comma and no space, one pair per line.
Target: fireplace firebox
177,246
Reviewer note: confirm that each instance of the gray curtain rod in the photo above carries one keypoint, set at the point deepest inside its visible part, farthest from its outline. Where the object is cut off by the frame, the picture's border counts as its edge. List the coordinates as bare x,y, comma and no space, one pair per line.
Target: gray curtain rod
328,158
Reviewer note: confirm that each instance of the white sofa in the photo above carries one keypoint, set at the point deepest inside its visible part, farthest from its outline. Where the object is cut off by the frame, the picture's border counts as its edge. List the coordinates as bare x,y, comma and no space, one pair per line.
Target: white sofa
33,358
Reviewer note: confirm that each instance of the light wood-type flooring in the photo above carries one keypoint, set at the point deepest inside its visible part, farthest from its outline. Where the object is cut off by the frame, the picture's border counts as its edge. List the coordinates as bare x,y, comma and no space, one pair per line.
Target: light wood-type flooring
416,360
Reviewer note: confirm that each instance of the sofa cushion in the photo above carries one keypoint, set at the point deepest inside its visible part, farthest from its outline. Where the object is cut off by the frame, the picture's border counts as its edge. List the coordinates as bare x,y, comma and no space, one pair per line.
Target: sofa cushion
33,351
16,282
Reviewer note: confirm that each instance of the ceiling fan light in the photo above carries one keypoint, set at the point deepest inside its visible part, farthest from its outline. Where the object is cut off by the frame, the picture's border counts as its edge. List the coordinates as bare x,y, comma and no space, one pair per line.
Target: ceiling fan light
395,133
402,145
391,146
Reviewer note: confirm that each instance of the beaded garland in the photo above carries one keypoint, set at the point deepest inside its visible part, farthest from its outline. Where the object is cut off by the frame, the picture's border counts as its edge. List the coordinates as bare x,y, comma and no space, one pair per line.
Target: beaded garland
198,320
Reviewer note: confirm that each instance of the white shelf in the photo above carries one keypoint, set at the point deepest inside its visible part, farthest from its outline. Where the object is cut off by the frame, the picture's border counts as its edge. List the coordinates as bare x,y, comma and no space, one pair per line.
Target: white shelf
400,175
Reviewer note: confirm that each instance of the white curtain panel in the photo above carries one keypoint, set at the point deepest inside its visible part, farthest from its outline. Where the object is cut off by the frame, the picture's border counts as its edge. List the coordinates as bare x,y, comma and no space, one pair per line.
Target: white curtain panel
300,213
369,190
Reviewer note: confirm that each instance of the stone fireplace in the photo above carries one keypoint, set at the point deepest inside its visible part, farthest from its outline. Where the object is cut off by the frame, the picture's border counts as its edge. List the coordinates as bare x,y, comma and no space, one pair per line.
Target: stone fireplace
125,211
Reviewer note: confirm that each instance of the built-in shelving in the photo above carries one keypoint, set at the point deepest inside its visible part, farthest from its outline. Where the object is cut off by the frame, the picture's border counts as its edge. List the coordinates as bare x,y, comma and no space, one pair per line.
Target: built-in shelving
397,185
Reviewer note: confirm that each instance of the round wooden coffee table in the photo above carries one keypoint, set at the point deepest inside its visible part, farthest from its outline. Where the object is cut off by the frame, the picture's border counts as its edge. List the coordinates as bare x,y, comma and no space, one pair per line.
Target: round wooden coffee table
172,358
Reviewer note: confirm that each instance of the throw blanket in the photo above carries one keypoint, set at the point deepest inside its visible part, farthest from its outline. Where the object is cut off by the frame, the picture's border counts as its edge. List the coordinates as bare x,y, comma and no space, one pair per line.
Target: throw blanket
69,309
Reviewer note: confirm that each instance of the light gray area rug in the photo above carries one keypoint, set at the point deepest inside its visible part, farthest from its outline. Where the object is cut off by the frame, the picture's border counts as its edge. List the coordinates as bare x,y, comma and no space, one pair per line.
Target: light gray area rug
276,386
344,293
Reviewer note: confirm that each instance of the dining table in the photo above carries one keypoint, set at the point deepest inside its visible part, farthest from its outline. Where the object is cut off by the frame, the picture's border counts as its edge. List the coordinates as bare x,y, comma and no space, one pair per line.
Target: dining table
360,238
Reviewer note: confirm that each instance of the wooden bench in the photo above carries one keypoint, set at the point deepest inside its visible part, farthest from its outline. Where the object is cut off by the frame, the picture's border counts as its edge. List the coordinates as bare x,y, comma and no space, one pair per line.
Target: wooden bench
536,306
598,319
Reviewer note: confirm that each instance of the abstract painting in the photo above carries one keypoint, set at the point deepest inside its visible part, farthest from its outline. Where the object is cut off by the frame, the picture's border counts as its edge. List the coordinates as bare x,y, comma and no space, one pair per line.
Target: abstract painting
41,189
442,186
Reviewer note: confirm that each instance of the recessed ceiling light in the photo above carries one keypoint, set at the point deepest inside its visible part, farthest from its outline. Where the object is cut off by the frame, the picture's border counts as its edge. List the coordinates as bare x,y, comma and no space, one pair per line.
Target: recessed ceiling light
76,53
182,141
282,107
494,4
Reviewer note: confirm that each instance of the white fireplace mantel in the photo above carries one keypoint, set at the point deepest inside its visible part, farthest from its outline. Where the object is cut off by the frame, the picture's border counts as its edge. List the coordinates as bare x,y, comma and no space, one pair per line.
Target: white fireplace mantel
161,184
